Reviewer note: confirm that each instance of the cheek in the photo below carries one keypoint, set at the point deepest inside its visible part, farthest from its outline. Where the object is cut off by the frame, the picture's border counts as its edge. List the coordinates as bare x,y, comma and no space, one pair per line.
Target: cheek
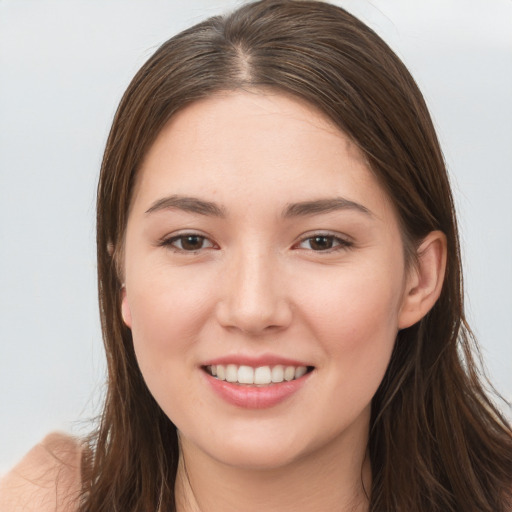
166,322
355,318
167,315
355,325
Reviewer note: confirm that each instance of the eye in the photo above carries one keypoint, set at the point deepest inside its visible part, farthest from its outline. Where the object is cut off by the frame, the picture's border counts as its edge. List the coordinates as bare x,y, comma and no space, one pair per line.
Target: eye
324,243
188,242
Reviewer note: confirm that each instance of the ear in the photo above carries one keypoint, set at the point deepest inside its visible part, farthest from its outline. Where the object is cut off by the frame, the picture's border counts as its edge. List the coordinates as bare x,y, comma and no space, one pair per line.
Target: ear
125,308
425,280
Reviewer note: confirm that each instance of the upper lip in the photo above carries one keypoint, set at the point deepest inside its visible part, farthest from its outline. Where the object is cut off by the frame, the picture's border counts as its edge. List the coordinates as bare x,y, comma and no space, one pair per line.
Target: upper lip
255,361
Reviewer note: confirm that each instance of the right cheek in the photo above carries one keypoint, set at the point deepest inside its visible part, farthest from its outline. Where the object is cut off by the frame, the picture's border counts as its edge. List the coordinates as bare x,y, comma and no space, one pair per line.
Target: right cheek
167,323
170,305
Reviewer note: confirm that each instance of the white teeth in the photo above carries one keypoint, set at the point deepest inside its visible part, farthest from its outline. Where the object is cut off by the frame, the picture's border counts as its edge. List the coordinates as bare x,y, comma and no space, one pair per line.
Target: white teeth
289,373
300,371
221,372
231,373
246,375
260,376
278,373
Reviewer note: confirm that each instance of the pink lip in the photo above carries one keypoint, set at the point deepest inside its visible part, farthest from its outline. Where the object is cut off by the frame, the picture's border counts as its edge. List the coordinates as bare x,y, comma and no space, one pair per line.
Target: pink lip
263,360
255,397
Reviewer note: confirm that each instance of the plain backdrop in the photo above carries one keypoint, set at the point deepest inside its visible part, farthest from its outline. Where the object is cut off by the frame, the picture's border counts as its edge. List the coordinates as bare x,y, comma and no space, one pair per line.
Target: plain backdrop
63,68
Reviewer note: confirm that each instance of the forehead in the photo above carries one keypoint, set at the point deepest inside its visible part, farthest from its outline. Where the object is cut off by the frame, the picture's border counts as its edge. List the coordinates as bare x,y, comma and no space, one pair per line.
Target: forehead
267,148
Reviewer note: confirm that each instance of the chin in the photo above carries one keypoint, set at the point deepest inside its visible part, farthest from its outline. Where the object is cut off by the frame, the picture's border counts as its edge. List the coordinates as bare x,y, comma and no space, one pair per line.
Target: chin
267,447
258,457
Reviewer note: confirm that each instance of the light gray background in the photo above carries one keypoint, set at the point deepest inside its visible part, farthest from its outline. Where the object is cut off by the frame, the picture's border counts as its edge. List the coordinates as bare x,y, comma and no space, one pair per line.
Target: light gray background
63,67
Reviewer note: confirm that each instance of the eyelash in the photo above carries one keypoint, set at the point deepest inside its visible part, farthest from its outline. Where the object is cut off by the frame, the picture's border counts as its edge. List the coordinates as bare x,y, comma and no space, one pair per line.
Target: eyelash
170,242
337,243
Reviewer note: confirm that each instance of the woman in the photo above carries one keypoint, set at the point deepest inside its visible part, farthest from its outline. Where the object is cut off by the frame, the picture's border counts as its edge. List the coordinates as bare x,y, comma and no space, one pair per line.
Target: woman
280,287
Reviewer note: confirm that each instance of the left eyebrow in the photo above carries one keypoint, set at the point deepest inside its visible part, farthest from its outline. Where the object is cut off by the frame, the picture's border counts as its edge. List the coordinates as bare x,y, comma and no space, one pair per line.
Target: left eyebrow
318,206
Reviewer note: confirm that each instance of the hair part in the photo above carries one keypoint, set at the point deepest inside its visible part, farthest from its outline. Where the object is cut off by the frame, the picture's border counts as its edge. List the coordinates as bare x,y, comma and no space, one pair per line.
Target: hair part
437,442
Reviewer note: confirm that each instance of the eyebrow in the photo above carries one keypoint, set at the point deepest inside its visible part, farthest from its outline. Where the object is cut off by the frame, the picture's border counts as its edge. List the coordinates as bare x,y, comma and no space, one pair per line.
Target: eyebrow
188,204
318,206
301,209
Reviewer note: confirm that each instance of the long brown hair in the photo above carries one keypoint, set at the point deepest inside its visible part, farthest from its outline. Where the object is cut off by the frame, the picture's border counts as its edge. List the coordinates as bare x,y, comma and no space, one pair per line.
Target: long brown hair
437,443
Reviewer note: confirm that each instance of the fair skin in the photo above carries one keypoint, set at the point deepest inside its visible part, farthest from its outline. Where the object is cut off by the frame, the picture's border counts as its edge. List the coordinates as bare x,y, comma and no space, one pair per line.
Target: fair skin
258,237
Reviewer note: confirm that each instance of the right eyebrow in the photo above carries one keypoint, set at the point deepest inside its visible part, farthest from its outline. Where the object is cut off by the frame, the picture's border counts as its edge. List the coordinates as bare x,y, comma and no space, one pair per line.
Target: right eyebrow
187,204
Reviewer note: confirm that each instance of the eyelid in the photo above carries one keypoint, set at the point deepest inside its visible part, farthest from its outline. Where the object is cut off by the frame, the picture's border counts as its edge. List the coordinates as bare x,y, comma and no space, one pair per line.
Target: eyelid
343,241
168,240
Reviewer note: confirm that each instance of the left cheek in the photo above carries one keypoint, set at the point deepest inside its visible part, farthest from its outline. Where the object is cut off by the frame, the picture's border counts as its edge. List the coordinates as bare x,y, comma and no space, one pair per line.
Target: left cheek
355,318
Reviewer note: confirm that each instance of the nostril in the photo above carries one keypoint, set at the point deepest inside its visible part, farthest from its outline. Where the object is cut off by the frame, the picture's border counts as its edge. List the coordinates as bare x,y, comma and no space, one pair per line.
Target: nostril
252,318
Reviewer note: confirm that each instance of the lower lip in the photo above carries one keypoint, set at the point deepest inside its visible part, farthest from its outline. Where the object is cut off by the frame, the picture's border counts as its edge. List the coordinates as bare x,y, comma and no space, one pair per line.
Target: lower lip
255,397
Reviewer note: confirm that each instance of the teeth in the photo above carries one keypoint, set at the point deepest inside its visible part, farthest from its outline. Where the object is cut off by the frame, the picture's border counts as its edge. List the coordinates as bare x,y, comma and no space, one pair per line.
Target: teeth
260,376
278,373
300,371
289,373
246,375
231,373
221,372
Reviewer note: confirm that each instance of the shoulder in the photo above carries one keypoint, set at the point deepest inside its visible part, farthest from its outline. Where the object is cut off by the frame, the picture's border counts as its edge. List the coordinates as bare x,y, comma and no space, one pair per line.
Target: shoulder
46,479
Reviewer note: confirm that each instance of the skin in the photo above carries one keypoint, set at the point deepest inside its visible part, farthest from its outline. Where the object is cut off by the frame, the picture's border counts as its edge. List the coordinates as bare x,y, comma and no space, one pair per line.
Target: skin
258,283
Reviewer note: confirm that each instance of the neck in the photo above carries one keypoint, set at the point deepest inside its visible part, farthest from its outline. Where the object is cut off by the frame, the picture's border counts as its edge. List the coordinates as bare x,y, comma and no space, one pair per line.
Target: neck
329,480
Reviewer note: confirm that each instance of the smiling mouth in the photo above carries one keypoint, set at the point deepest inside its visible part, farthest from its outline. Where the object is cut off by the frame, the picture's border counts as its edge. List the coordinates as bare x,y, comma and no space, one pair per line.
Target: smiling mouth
259,376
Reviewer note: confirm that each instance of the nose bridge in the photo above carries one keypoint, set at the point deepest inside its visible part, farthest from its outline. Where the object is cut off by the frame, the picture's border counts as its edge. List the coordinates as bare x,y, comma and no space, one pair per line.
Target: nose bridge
254,300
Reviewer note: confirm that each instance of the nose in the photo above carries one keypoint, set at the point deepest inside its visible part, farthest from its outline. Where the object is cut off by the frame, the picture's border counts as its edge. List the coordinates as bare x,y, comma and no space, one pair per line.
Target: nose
253,298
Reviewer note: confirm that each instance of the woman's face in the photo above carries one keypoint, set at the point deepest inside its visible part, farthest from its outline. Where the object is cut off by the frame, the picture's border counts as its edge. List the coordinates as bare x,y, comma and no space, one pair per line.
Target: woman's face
260,246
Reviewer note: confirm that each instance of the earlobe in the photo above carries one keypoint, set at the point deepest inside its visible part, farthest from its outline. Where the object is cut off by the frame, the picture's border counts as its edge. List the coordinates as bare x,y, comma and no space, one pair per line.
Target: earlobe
425,281
125,308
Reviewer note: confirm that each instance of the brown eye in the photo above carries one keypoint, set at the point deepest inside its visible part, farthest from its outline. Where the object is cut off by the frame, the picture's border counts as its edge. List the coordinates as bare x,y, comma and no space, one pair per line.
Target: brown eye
192,243
324,243
189,243
321,243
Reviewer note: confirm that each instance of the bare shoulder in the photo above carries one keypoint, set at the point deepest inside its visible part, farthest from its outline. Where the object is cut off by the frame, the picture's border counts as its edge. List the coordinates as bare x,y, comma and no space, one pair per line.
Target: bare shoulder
46,479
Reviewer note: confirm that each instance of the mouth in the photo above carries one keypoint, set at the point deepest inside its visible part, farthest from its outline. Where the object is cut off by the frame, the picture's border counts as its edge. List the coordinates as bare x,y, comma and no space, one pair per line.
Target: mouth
256,376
